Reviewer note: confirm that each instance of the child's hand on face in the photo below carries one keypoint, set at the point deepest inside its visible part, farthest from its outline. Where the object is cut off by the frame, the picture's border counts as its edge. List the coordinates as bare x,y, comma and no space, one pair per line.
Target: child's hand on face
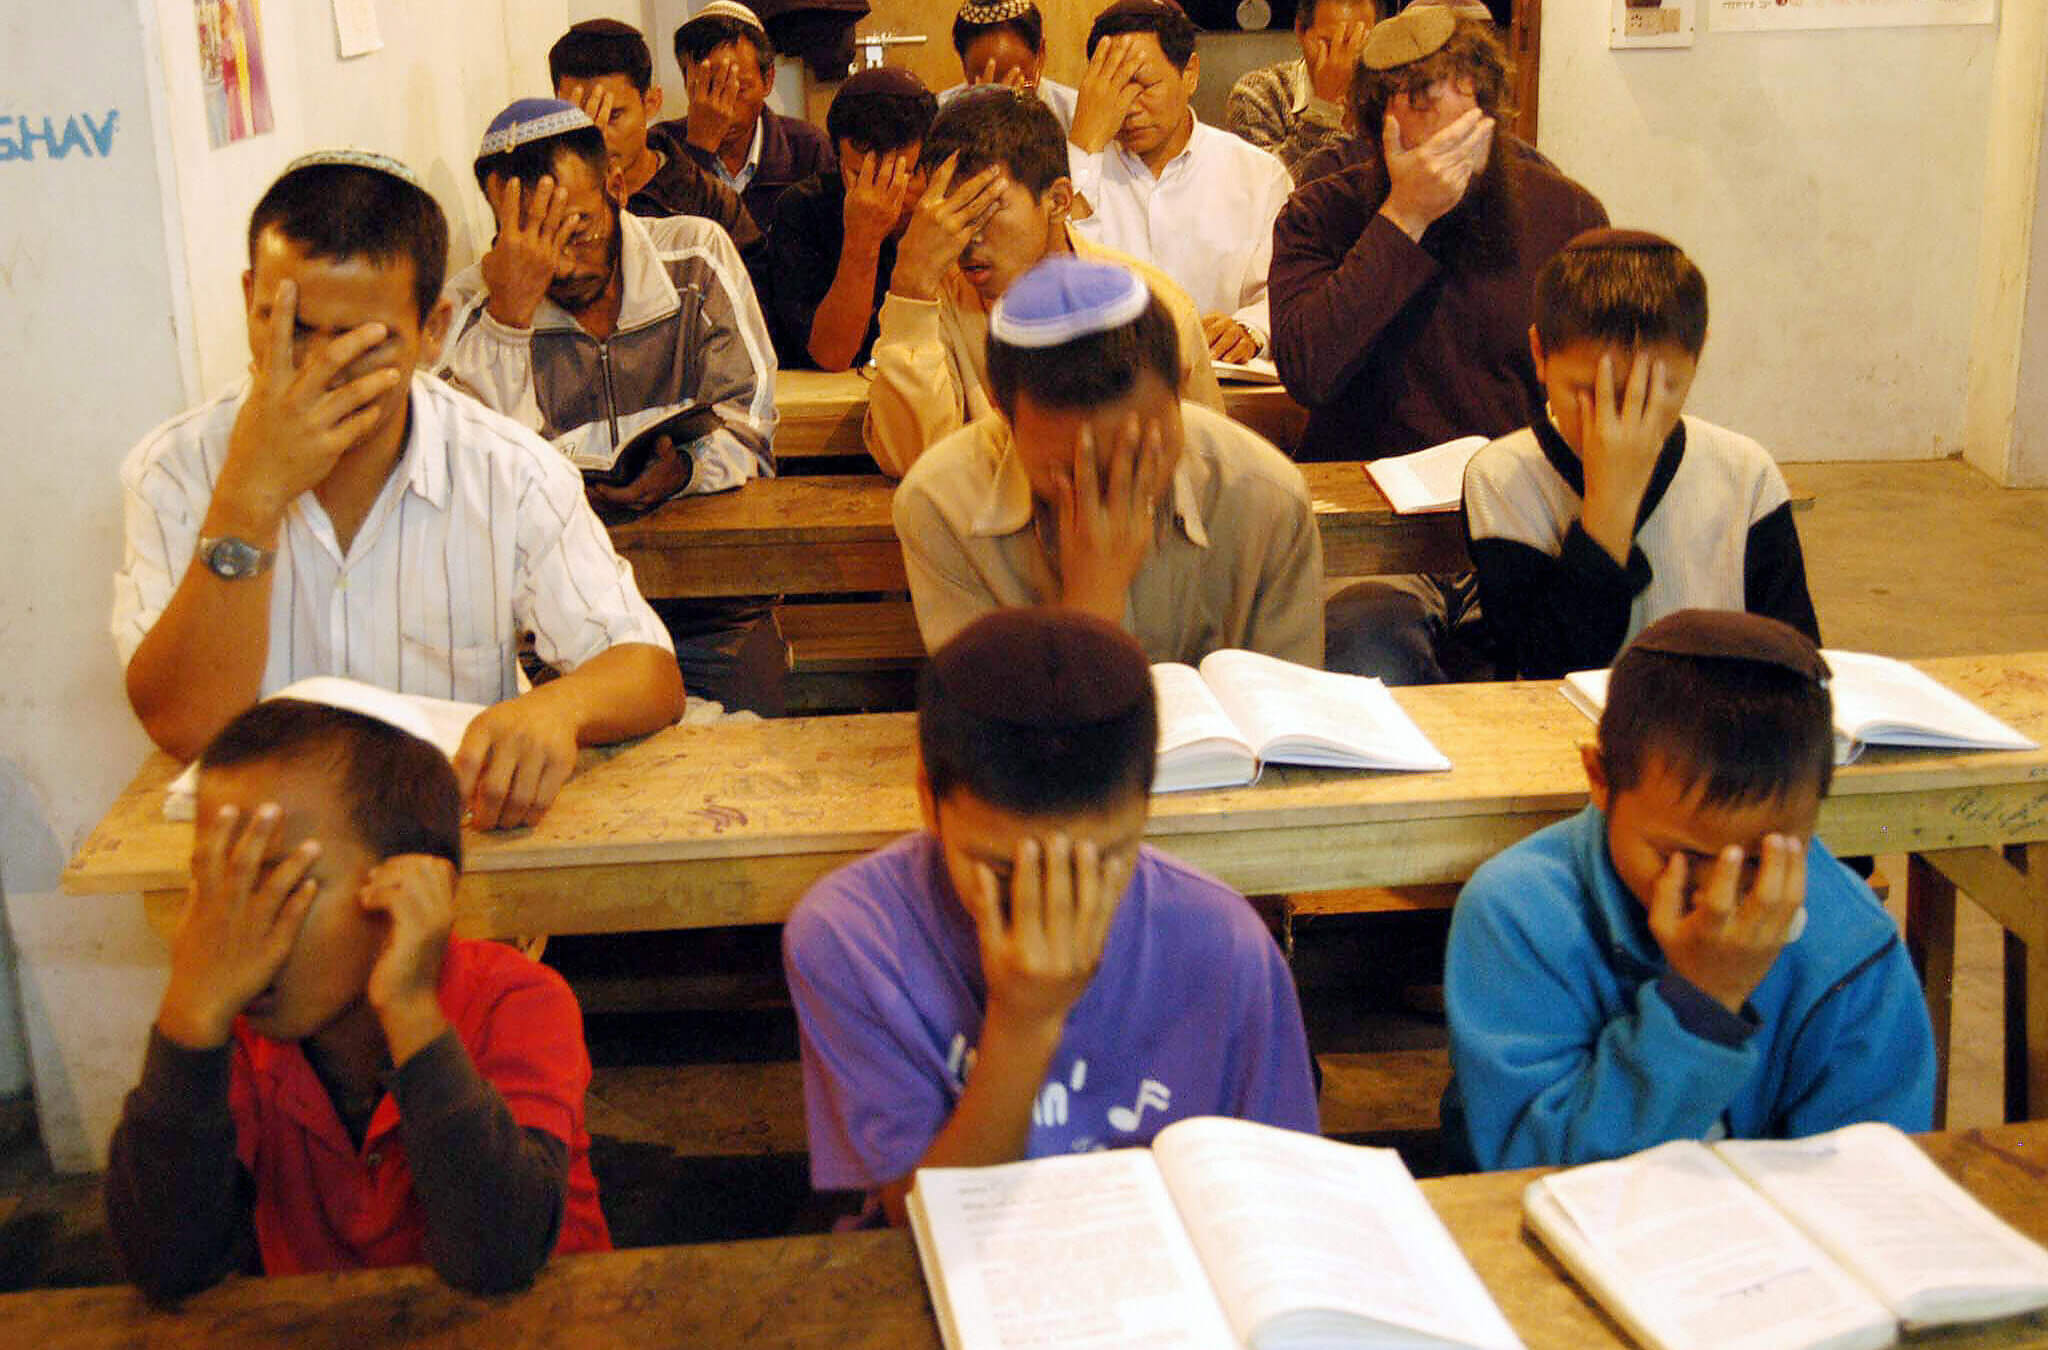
415,893
1722,942
1623,435
1039,959
238,926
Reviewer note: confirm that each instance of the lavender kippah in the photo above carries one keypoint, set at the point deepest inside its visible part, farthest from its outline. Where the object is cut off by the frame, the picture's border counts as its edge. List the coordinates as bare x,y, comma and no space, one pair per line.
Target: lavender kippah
351,158
1052,669
1001,11
1064,297
529,120
1416,32
1732,635
891,80
1610,237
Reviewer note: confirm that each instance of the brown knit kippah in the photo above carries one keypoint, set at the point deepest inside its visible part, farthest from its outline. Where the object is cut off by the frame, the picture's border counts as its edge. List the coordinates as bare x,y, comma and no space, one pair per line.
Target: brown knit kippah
1608,236
1732,635
1416,32
1053,669
881,80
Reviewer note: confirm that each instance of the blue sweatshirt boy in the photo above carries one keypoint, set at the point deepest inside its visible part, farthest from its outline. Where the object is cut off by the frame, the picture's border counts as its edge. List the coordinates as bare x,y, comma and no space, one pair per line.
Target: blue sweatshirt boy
1572,1041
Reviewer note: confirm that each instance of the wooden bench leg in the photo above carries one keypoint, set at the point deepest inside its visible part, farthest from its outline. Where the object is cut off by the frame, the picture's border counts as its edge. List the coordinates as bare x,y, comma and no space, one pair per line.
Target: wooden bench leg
1931,942
2011,886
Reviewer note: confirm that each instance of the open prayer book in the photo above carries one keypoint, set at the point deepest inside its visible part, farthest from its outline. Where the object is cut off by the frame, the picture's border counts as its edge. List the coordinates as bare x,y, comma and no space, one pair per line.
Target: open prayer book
1225,1234
1833,1241
603,460
1428,480
438,721
1878,701
1258,370
1221,722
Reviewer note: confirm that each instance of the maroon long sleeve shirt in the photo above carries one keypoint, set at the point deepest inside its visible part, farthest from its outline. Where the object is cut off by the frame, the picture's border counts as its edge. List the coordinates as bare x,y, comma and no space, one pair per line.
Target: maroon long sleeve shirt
1391,346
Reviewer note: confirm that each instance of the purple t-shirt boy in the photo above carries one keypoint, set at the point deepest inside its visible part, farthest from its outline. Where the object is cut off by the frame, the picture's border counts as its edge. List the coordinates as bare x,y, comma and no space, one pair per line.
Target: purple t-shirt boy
1192,1012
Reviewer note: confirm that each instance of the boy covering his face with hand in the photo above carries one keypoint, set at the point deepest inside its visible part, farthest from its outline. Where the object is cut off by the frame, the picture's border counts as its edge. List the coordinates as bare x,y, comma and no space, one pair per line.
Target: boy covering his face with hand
1682,959
334,1081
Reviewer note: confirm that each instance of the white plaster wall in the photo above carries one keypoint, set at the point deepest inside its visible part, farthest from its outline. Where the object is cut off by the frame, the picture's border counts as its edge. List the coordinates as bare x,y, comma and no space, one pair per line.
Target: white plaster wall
447,67
2026,464
89,358
1831,186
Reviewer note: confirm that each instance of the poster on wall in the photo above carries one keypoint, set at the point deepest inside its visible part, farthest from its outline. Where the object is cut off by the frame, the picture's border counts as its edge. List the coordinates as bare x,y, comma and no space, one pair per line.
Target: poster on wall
1779,15
231,69
1651,23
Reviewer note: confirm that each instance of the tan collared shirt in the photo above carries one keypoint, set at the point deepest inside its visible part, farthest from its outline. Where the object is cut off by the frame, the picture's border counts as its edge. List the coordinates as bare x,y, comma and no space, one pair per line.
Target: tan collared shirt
931,361
1238,561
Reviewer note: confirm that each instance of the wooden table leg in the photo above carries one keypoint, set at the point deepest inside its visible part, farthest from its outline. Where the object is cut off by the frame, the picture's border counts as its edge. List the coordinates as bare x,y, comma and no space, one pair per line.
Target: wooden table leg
2011,886
1931,942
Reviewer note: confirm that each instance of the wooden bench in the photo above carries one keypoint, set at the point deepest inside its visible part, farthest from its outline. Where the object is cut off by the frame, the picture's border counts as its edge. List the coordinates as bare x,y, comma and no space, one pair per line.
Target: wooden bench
851,656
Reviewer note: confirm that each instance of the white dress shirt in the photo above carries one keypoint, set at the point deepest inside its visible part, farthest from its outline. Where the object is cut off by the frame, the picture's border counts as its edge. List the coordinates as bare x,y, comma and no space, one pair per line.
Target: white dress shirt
1206,220
480,534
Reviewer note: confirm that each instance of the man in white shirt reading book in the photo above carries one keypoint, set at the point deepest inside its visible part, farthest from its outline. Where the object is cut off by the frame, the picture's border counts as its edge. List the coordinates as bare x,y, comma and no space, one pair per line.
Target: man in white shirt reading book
342,513
1016,980
1097,487
1683,960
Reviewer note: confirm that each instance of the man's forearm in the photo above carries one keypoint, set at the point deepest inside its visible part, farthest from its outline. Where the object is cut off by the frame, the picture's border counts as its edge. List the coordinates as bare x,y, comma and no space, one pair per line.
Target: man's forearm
991,1123
841,322
628,690
202,662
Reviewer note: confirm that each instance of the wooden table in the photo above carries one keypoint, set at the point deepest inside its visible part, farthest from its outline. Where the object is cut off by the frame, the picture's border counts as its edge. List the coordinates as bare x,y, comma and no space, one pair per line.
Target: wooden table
852,1291
821,413
832,535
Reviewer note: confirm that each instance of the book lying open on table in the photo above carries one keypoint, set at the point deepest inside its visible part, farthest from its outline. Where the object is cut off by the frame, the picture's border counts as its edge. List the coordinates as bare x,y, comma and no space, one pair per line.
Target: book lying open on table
1224,1234
1221,722
1833,1241
1428,480
1878,701
1258,370
438,721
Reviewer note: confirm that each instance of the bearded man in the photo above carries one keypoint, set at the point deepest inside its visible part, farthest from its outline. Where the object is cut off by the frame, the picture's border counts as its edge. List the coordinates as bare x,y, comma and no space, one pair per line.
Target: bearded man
1402,282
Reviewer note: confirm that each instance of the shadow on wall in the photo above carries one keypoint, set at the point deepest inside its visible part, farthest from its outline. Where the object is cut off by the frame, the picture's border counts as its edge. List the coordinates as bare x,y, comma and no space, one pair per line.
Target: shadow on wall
31,860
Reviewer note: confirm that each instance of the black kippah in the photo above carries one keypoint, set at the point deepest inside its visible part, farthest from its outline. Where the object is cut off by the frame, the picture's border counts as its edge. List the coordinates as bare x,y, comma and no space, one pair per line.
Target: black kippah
881,80
1732,635
1607,236
1146,9
610,28
1052,669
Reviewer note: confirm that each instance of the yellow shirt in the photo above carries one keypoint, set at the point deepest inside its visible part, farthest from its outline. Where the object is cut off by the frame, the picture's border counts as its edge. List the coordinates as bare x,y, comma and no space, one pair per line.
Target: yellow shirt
1238,564
931,361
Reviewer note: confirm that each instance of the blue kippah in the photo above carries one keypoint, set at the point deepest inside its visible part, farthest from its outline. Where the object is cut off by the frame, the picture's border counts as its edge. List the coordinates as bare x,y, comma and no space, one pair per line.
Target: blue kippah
531,119
1064,297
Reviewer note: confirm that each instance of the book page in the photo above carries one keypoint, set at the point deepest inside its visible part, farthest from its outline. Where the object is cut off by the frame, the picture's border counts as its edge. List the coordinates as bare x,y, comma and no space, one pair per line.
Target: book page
1288,1224
1888,702
1428,480
1871,1198
1199,746
1298,715
1682,1250
1082,1252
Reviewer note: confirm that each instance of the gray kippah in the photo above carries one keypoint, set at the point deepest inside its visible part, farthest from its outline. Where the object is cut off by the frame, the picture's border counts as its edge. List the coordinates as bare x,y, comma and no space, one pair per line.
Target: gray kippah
348,157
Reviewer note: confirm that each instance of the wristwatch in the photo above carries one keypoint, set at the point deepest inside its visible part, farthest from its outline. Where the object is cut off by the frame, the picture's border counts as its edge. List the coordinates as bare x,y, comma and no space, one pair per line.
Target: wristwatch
232,559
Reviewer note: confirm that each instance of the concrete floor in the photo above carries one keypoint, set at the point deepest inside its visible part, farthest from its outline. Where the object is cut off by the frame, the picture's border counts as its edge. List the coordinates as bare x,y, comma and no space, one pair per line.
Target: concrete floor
698,1116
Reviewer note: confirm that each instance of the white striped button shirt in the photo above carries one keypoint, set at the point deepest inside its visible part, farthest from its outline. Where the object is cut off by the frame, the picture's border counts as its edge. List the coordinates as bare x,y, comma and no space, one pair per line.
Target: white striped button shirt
480,534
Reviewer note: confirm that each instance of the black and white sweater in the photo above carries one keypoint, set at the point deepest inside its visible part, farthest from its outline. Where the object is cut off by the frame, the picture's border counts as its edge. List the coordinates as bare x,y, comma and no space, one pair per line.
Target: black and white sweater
1714,531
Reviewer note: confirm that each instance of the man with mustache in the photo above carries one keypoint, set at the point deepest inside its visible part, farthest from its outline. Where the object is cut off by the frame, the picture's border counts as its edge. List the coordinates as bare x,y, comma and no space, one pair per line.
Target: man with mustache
1402,293
590,325
997,203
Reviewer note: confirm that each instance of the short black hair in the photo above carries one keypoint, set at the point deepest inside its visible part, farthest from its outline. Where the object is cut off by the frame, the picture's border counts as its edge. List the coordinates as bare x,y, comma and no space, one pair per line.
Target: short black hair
995,125
1745,730
1088,371
700,37
598,47
1033,771
398,791
880,122
1630,294
346,211
1305,12
534,160
1029,26
1174,29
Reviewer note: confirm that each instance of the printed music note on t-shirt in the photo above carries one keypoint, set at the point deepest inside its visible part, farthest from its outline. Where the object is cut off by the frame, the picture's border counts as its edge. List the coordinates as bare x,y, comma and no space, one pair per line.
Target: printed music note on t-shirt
1151,1093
